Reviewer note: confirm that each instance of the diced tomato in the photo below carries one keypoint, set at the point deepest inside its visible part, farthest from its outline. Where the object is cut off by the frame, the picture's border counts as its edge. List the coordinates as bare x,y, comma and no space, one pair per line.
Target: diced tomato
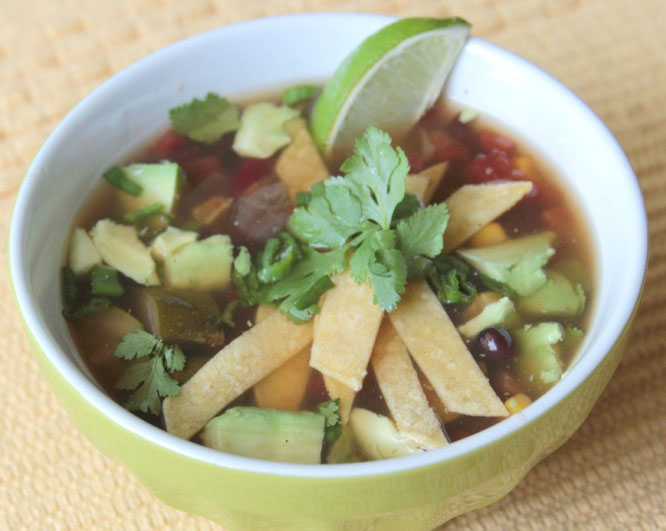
446,147
249,172
200,168
490,140
168,144
493,166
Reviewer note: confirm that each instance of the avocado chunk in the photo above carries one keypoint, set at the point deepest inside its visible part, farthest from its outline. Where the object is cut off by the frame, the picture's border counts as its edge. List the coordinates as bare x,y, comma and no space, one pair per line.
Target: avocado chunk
343,450
376,436
177,315
285,436
201,265
170,241
83,255
121,248
517,263
262,131
538,364
160,183
498,313
556,298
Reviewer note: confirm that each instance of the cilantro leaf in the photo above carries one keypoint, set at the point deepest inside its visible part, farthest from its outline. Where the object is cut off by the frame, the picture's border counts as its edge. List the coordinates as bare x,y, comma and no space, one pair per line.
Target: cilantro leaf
421,233
377,172
448,277
137,344
332,421
388,277
205,120
148,380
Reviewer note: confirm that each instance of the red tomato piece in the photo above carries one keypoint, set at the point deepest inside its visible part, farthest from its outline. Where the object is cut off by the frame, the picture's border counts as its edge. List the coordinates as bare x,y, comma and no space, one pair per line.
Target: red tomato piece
168,144
249,172
202,167
463,132
490,140
493,166
446,147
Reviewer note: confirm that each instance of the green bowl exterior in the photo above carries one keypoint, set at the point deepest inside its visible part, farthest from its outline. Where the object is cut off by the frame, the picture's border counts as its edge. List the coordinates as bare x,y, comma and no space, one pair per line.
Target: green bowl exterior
420,498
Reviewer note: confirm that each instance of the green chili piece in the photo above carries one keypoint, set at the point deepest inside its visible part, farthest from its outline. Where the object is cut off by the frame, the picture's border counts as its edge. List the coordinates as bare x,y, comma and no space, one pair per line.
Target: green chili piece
104,281
116,176
312,295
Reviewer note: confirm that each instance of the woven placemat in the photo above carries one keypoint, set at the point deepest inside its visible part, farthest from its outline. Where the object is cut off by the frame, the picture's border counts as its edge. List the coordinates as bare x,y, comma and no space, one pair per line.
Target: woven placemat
611,474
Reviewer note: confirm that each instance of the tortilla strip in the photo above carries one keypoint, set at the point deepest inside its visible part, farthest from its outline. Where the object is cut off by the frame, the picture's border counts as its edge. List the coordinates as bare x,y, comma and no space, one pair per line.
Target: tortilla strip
346,332
299,166
400,385
424,184
232,371
285,387
441,354
473,206
344,393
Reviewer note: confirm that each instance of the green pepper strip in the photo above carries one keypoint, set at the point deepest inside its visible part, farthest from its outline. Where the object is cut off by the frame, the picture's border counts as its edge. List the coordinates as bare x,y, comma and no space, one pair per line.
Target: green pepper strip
312,296
272,267
94,305
104,281
143,213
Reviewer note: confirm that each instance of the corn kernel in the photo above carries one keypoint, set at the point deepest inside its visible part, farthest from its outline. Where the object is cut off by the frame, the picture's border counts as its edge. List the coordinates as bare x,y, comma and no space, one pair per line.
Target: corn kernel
517,403
526,165
491,234
477,305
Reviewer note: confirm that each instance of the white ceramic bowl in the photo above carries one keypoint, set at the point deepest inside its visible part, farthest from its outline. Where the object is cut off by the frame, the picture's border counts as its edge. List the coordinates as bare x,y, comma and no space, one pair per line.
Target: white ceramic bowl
416,492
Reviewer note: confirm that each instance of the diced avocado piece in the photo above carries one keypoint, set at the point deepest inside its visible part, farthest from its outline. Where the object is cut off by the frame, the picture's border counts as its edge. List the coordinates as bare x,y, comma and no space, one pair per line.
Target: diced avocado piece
343,450
82,253
160,183
285,436
376,436
577,273
178,315
121,248
517,263
538,364
201,265
262,132
556,298
170,241
498,313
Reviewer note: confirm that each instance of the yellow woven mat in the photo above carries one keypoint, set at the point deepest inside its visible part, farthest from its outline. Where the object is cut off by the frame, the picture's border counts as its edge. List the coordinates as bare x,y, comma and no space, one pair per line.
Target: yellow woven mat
611,474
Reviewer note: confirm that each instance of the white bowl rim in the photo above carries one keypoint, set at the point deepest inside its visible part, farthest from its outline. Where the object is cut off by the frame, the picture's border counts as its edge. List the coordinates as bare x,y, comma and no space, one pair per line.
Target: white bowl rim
126,420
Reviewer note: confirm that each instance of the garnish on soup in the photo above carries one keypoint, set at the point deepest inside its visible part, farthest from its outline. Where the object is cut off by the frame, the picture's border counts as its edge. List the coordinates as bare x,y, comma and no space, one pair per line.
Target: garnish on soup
225,286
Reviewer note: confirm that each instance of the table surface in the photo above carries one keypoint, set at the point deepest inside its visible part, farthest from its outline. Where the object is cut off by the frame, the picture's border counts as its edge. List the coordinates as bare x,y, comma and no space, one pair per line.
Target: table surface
612,472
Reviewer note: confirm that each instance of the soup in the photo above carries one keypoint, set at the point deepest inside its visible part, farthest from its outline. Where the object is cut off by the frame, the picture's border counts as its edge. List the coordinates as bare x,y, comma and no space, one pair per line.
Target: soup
191,293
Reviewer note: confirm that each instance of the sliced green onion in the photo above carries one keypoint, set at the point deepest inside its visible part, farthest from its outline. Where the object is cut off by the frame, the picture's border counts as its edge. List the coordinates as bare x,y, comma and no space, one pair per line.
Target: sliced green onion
70,286
104,281
143,213
312,296
116,176
298,93
227,317
93,306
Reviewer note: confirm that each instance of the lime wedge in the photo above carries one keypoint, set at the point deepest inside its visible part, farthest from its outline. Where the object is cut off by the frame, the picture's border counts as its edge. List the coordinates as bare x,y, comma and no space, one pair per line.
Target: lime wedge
388,81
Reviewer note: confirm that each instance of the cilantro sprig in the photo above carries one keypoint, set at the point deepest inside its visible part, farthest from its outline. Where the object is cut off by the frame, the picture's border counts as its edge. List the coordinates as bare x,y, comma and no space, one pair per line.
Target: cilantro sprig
362,220
333,423
148,380
205,120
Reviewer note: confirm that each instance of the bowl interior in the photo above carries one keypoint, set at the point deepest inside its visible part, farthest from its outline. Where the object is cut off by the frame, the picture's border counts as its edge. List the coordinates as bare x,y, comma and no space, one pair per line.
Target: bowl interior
131,108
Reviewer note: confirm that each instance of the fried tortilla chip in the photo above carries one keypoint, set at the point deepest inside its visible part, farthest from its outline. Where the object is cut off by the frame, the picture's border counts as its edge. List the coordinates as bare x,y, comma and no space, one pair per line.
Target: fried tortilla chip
399,383
441,354
344,393
285,387
299,166
232,371
473,206
424,183
346,332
